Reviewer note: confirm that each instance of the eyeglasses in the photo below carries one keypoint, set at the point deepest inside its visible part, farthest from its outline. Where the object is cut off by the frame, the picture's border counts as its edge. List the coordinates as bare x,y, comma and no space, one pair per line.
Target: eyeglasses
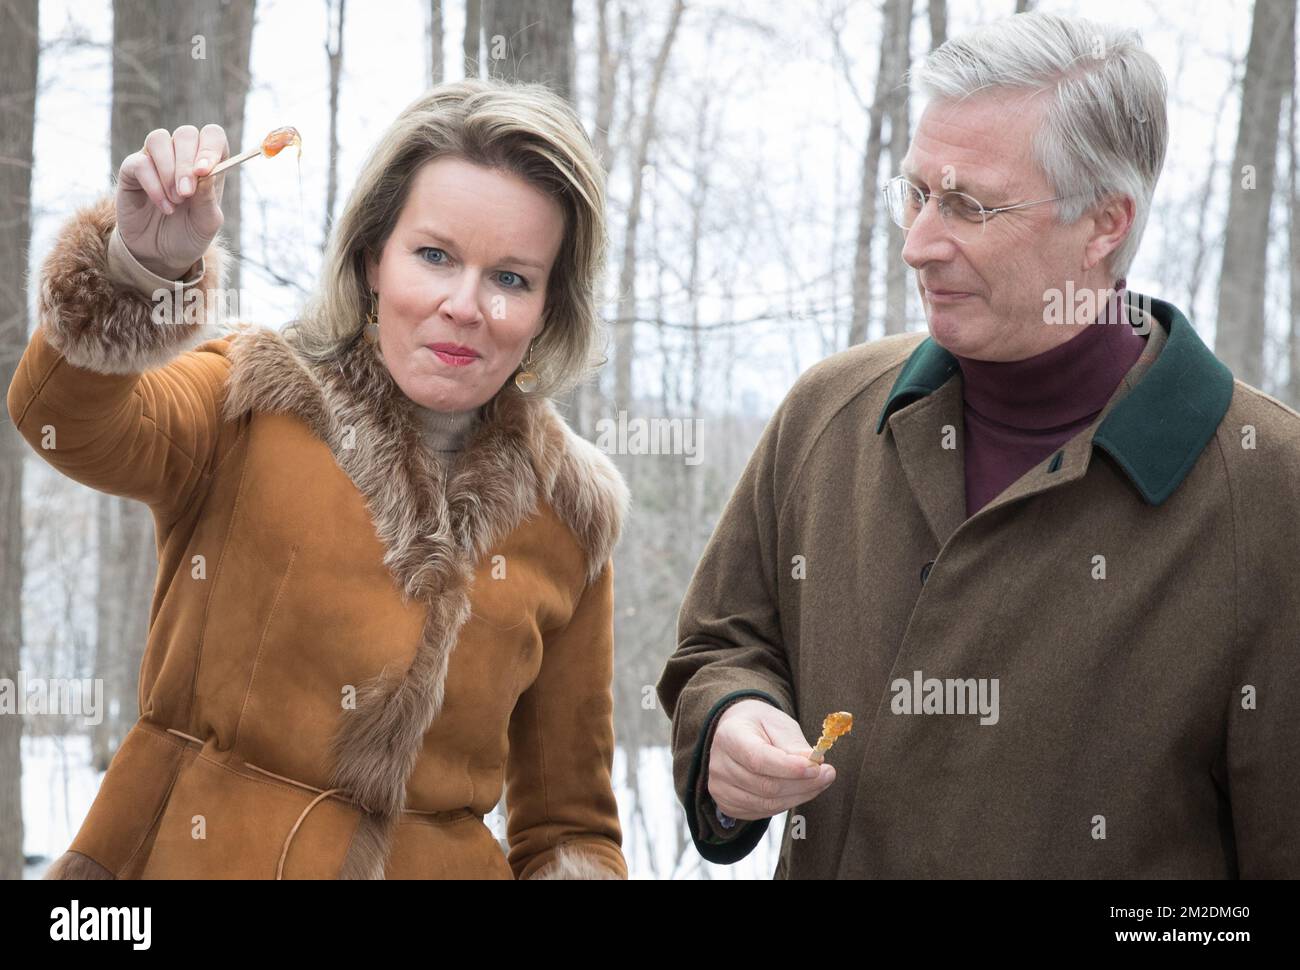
963,215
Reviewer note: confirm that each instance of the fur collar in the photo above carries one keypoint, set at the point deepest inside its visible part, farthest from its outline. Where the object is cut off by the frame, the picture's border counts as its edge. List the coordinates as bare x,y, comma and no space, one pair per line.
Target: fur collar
434,532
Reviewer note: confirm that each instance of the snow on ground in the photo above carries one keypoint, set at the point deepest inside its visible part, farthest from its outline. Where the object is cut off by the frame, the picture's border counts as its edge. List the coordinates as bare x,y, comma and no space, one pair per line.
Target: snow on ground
59,786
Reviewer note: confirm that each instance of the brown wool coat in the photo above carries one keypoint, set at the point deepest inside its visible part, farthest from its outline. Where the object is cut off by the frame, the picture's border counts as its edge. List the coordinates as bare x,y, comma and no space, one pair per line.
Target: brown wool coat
344,682
1121,698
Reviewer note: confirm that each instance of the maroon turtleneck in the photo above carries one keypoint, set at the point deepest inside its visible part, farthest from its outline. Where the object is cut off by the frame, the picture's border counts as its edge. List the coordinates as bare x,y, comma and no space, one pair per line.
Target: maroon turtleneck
1018,412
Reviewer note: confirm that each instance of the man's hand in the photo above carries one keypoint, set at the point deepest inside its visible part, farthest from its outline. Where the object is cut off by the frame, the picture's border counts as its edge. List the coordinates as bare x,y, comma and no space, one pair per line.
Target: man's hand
759,765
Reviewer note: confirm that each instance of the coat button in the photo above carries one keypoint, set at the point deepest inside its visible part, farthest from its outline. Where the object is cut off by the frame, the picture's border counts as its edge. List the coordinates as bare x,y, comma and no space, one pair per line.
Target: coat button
925,570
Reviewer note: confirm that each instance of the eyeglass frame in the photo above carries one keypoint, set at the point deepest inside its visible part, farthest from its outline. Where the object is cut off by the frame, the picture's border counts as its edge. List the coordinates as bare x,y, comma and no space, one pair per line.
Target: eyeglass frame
984,212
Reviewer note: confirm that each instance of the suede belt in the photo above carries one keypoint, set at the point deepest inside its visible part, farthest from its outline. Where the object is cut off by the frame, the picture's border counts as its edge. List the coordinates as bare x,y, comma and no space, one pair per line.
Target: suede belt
339,793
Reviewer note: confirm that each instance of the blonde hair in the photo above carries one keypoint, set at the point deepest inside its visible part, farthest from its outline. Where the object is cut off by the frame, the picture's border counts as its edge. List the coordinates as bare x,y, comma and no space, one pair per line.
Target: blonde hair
524,129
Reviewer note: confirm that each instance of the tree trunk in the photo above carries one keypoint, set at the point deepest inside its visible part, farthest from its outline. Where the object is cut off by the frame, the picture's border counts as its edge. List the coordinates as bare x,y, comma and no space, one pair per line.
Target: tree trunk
19,51
336,15
532,40
437,63
869,193
1240,334
183,63
1293,220
471,40
137,101
589,399
234,54
625,337
606,84
537,38
119,642
938,10
179,63
1200,243
897,278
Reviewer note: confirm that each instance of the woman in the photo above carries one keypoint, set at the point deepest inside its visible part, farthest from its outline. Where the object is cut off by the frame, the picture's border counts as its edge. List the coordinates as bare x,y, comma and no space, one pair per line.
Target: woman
385,585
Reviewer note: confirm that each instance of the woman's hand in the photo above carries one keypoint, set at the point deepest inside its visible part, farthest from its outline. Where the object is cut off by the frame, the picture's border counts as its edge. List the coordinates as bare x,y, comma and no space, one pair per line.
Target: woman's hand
166,216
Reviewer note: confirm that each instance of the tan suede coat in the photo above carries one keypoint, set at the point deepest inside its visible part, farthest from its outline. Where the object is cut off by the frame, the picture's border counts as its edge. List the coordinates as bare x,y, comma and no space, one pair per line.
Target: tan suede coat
1136,595
351,649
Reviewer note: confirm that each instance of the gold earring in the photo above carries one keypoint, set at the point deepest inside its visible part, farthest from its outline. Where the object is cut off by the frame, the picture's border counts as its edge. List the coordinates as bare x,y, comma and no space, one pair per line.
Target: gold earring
526,379
372,320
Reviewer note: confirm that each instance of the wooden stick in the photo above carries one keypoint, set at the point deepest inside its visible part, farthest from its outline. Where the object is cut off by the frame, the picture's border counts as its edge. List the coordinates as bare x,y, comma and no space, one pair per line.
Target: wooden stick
233,161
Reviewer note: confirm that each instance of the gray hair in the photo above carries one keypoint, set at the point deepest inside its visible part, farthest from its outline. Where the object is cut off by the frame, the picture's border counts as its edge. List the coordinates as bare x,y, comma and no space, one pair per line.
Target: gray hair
524,129
1105,128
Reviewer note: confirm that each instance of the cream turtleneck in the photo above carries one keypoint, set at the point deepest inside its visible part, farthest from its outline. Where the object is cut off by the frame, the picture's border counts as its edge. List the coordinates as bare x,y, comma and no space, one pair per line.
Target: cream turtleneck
446,432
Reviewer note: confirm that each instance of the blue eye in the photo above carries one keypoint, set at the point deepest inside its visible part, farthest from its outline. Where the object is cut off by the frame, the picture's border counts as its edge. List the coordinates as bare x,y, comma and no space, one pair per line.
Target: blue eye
521,284
432,249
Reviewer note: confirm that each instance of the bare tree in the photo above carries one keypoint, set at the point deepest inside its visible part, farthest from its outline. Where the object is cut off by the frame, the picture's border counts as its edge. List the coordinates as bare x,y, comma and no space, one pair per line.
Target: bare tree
606,84
167,58
588,399
180,63
938,10
235,44
532,40
471,40
869,191
125,556
1200,242
1293,243
437,63
897,280
19,51
625,336
1241,332
336,14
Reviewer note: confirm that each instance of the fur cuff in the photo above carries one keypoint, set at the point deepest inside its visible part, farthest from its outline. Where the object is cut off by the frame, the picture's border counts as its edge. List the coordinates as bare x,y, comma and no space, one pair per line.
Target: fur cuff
572,863
74,865
99,322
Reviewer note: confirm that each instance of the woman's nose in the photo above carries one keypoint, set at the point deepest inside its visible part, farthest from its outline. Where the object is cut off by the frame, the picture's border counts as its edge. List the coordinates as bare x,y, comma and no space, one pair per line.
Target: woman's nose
461,303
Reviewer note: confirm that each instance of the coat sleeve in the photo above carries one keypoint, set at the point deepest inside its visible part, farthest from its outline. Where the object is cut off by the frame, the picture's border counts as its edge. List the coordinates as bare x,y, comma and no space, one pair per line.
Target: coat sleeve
1261,762
105,391
562,818
729,645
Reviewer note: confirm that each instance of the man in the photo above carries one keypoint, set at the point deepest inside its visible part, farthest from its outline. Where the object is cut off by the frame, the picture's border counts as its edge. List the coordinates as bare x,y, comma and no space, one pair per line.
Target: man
1046,556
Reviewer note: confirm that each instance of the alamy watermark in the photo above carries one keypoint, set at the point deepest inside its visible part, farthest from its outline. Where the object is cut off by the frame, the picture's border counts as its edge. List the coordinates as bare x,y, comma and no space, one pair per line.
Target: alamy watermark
1083,306
57,696
181,305
930,695
650,436
127,924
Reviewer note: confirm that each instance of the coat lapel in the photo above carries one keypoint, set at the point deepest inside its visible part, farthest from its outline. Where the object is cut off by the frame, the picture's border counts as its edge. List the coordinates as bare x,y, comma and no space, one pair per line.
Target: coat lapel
1070,462
435,524
927,399
935,474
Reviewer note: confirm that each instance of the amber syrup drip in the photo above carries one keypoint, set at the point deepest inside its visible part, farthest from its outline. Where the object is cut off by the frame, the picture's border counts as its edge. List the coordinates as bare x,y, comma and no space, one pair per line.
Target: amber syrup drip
274,143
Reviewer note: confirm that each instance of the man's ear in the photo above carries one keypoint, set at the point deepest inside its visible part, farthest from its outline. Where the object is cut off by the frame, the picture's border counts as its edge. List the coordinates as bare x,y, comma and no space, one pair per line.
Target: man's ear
1112,221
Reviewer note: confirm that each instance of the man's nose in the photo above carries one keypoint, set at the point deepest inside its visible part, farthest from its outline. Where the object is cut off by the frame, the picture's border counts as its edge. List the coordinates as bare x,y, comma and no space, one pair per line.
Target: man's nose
928,240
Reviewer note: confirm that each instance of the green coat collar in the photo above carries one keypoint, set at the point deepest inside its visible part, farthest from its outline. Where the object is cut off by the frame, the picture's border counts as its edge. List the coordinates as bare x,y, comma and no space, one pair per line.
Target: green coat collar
1155,433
